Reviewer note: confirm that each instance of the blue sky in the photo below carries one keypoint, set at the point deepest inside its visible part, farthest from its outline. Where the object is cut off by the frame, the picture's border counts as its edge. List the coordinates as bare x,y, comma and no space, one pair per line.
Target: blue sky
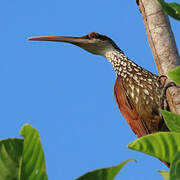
67,93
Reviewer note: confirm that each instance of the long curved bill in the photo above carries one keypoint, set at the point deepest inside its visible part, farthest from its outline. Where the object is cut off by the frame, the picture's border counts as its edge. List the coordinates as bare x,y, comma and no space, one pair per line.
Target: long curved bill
87,42
79,41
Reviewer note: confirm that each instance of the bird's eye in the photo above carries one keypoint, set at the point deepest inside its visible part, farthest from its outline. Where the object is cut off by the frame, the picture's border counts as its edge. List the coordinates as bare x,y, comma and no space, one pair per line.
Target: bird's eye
93,35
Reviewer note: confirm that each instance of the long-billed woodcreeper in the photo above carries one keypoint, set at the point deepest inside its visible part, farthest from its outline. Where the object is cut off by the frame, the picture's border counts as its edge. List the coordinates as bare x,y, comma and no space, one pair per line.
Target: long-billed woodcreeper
137,91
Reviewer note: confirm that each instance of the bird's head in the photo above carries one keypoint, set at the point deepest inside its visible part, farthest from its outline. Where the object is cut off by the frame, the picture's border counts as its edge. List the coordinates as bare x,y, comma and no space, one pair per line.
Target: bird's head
93,42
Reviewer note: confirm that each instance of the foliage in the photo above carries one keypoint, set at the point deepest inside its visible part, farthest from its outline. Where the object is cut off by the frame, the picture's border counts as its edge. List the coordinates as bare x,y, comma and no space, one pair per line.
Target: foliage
175,167
172,9
172,120
10,158
33,162
164,174
104,173
22,158
175,74
163,145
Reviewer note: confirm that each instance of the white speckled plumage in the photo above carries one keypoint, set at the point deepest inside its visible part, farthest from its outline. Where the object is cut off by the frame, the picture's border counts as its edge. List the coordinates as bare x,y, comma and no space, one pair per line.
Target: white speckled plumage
139,82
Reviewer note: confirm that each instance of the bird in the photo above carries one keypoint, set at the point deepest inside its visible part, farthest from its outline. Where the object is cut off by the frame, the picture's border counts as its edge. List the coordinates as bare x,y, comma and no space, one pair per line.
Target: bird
137,91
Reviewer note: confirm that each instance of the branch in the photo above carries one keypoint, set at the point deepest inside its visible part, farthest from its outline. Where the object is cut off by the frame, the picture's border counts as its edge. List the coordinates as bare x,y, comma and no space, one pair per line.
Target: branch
163,45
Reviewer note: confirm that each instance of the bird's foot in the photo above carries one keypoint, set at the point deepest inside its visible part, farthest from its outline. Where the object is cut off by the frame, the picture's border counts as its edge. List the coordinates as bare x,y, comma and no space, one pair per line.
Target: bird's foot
163,92
161,81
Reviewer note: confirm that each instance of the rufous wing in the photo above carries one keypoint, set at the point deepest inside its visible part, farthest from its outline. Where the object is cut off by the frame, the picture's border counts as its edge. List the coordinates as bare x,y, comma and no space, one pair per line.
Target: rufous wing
128,111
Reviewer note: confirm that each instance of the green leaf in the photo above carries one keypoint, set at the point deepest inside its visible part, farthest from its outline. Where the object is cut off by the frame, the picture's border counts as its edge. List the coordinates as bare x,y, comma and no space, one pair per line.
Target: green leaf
162,145
174,74
172,120
104,173
175,167
176,7
10,158
33,162
172,9
164,174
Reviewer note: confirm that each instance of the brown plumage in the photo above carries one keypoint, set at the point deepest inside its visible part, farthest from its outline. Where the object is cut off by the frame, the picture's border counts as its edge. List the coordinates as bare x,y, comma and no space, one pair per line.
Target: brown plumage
138,100
137,91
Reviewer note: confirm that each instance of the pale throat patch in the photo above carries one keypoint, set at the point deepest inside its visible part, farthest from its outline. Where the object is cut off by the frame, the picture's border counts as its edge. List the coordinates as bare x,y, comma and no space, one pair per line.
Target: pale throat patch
121,64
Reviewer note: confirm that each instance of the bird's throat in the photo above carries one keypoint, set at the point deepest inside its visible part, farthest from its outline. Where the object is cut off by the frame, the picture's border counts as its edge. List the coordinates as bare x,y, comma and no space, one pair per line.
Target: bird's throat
122,65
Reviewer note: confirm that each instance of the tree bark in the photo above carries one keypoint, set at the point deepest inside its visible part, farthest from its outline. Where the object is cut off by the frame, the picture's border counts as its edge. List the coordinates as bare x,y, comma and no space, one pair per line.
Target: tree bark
163,45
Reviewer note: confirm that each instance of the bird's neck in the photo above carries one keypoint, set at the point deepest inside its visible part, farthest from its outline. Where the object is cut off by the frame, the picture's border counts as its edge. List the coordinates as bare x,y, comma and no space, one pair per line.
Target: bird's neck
122,65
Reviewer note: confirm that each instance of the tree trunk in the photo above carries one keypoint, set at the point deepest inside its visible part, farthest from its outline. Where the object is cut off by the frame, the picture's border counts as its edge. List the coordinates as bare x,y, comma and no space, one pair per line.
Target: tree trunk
163,45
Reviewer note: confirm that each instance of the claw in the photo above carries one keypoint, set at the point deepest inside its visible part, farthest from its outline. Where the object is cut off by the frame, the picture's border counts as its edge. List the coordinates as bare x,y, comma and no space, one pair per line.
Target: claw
159,80
164,90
